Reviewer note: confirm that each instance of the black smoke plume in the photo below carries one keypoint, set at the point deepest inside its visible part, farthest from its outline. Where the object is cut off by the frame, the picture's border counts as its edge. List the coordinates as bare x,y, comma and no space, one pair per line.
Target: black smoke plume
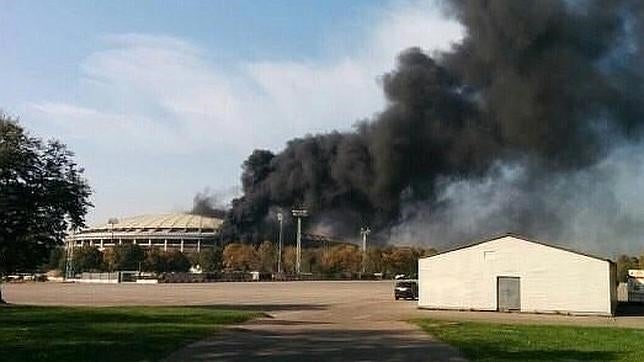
546,89
206,203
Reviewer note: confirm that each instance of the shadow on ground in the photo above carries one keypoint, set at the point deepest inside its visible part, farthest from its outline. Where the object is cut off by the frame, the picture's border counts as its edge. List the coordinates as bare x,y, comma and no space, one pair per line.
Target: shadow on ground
282,322
264,307
630,310
241,344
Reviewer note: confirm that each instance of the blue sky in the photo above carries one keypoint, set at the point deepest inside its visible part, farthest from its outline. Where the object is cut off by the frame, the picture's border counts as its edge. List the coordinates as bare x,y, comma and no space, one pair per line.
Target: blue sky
160,100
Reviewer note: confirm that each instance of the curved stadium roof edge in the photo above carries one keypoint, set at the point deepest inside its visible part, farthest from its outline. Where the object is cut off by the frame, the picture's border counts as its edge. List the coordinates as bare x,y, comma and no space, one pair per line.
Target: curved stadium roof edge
176,221
178,231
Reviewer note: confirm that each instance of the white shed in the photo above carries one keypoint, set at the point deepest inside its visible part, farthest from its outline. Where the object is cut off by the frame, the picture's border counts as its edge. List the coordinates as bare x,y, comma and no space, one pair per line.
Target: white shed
510,272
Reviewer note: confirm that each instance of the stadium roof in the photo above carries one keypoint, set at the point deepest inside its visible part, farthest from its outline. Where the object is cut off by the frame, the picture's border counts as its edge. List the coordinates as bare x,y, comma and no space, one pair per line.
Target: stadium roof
165,230
163,221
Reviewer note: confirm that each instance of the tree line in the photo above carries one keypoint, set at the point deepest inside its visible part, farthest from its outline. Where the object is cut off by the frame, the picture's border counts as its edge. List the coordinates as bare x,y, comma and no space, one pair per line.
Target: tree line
343,258
134,257
332,260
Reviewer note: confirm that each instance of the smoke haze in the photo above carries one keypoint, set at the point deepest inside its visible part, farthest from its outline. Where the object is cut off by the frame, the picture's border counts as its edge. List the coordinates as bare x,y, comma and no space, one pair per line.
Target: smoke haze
208,203
596,209
530,124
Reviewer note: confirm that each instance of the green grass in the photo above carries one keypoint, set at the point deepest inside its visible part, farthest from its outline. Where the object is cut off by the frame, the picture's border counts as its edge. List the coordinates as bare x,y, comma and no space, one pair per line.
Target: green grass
515,342
105,334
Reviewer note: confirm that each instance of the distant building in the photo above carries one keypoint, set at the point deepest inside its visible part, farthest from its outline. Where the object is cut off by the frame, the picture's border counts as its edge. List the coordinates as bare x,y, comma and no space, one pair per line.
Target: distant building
184,232
513,273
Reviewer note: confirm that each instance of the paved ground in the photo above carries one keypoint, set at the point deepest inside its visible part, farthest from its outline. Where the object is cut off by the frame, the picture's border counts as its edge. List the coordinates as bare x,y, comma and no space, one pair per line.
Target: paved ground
308,320
323,321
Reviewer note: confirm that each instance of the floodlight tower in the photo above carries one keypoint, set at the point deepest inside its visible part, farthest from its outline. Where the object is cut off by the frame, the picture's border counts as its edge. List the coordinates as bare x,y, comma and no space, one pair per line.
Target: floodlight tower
280,218
112,221
299,214
364,231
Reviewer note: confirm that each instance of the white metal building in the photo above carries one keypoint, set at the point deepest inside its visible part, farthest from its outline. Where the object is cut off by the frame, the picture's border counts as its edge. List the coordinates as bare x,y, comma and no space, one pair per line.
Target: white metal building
510,272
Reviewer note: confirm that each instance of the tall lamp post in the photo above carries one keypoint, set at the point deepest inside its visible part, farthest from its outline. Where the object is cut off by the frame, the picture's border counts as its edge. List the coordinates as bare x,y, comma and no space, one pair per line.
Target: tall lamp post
112,221
69,258
280,218
299,214
364,231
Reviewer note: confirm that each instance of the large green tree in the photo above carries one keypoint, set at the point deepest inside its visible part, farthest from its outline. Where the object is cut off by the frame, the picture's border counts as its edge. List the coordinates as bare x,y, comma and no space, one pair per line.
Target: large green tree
87,258
177,261
165,261
43,194
209,259
124,257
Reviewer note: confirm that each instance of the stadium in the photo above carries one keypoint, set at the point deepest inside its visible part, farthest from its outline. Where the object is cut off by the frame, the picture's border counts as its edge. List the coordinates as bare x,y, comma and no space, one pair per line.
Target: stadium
184,232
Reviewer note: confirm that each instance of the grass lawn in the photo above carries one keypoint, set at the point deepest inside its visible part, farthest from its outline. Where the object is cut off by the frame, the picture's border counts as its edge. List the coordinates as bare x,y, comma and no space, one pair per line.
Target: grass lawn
105,334
514,342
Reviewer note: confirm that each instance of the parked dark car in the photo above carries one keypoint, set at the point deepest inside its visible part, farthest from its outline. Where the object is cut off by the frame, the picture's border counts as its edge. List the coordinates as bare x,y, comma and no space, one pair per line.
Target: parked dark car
406,289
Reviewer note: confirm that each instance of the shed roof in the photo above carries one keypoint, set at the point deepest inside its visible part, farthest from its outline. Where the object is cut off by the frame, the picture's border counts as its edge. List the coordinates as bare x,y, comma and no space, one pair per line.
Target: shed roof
521,237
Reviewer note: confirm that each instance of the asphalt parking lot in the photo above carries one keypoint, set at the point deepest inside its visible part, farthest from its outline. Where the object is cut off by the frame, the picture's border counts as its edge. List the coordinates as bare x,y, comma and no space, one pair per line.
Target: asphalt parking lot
324,321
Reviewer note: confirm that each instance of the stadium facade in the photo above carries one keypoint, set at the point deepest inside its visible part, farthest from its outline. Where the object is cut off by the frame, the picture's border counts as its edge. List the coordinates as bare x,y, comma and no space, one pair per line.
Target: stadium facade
184,232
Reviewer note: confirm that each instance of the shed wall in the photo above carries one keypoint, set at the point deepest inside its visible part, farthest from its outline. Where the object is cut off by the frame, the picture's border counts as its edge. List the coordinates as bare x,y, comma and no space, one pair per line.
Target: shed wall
552,280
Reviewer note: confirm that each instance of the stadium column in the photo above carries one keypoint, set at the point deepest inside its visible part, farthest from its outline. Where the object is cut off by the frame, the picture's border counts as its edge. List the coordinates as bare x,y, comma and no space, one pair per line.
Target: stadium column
165,245
198,245
182,245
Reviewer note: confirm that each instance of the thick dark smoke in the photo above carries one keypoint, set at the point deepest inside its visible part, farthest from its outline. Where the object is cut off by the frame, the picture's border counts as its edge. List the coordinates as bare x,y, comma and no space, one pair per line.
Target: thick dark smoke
531,101
206,203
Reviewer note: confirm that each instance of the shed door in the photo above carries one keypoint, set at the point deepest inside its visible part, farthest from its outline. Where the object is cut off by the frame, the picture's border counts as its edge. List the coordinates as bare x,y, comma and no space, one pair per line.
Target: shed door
508,293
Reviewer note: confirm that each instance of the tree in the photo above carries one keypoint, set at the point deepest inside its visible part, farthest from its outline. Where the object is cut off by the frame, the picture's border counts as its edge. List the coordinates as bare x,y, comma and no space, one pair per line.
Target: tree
311,260
375,263
87,258
57,259
625,262
239,256
401,260
165,261
124,257
42,195
153,261
346,258
209,259
289,259
266,256
176,261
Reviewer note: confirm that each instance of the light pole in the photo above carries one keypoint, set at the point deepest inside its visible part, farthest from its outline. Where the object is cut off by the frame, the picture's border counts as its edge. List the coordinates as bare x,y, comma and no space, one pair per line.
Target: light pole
364,231
112,221
280,218
299,214
69,258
